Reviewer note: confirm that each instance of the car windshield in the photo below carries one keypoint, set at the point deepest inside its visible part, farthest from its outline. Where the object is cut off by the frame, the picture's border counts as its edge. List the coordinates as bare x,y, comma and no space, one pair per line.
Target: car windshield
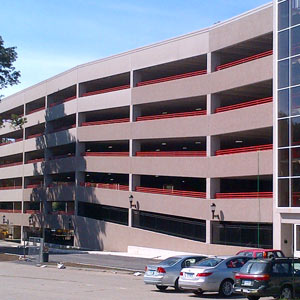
209,262
254,268
170,261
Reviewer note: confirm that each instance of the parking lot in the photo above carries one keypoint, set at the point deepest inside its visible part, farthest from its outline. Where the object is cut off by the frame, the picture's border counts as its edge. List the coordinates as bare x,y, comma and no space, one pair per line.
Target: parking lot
24,281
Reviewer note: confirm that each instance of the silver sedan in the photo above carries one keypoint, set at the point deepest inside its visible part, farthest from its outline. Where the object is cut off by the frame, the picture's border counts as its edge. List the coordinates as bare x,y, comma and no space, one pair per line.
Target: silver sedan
166,273
215,274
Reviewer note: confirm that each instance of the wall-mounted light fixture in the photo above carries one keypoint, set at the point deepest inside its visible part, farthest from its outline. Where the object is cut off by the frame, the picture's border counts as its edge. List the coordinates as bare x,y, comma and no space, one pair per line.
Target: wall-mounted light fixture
4,220
131,205
30,220
213,209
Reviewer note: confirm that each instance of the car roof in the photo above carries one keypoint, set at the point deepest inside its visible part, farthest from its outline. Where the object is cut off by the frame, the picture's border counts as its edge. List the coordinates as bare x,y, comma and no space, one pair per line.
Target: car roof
259,250
186,256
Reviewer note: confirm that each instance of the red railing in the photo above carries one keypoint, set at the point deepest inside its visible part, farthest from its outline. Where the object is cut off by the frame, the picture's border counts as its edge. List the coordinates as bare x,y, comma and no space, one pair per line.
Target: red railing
11,164
62,156
15,187
173,115
113,89
62,101
171,153
105,154
171,192
11,211
10,142
111,186
34,135
174,77
244,195
244,104
32,211
62,128
244,60
32,161
34,185
104,122
35,110
244,149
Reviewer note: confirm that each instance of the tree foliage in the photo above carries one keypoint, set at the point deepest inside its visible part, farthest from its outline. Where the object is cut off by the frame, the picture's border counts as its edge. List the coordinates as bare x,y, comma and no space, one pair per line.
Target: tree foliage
9,76
8,73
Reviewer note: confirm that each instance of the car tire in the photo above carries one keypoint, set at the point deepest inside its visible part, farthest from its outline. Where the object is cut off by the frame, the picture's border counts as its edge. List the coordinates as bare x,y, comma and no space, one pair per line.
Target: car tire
226,288
162,287
198,292
176,286
253,297
286,293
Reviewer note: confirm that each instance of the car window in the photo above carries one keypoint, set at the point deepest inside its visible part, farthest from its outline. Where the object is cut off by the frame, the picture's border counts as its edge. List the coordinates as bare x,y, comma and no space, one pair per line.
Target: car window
236,263
191,261
170,261
245,253
209,262
252,267
296,269
259,254
278,254
280,268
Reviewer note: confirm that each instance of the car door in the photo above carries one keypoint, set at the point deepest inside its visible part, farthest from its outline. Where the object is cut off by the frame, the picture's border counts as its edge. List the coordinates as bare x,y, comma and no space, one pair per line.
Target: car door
280,275
296,273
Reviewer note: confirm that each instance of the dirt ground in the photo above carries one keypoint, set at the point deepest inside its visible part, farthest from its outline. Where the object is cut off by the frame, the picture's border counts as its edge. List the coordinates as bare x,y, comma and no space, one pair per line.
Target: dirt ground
8,257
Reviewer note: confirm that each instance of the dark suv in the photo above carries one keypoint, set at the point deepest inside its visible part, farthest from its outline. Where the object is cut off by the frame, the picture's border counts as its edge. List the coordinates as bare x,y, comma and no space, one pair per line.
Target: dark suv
277,277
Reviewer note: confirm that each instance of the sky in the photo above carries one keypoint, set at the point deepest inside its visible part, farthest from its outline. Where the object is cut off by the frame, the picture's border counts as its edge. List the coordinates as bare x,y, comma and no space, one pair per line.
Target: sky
53,36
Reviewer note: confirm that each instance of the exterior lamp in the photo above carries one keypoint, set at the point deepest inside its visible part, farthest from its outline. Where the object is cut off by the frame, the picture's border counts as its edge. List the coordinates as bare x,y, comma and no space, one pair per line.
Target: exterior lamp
131,205
30,220
3,219
213,209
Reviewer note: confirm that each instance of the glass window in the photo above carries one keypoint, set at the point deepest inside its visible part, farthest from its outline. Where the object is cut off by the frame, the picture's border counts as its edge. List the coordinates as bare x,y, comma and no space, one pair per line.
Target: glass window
295,40
295,70
283,44
283,193
296,192
254,268
295,131
281,268
297,238
295,11
283,73
283,133
283,103
283,15
296,266
296,162
283,162
295,101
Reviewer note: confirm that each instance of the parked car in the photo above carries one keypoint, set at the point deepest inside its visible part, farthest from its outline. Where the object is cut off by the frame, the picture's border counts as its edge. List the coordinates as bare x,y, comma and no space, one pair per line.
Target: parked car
215,274
166,273
278,277
261,253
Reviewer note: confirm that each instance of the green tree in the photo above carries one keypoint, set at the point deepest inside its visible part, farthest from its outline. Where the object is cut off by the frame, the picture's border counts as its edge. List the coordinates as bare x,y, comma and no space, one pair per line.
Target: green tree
9,76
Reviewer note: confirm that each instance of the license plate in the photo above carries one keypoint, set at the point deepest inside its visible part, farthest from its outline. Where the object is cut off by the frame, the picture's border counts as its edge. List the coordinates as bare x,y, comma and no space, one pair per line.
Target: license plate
247,283
189,275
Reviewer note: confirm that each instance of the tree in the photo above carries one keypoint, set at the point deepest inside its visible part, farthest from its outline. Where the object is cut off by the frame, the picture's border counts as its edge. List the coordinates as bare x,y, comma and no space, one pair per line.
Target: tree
9,76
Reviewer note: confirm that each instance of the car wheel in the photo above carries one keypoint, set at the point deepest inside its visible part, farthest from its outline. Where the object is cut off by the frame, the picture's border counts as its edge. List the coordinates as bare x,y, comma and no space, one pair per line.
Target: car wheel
253,297
176,286
286,293
162,287
198,292
226,288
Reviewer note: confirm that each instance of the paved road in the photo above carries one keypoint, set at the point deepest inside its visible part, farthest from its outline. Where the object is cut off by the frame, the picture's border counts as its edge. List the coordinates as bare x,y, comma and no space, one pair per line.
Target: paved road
122,262
23,282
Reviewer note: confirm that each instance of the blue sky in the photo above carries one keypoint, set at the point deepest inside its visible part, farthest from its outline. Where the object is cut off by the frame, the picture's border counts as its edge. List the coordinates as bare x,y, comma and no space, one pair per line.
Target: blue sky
55,35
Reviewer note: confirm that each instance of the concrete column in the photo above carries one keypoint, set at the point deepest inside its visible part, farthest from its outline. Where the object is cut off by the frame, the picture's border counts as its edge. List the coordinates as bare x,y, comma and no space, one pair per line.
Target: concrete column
80,119
208,232
134,181
215,103
215,61
215,187
136,77
214,145
208,57
134,146
130,217
135,111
